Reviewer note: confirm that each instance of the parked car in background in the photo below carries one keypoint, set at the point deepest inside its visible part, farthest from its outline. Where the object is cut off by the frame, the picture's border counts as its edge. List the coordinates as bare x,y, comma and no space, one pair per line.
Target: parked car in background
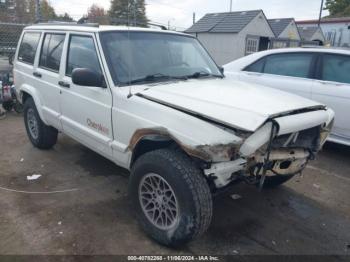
320,74
154,102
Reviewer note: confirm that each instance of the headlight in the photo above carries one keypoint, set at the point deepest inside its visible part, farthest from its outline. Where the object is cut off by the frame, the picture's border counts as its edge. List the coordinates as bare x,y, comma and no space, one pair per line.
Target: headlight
325,132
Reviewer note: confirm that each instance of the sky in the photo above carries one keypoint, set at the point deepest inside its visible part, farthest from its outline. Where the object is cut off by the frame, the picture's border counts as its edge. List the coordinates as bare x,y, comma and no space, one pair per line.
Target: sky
179,13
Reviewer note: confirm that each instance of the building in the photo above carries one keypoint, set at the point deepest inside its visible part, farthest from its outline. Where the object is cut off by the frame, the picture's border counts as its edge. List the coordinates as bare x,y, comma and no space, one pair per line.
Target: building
229,36
286,33
312,34
336,30
7,11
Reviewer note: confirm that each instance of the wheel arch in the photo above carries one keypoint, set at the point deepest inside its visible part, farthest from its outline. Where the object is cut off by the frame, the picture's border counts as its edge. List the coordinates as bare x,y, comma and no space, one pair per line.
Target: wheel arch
147,140
26,92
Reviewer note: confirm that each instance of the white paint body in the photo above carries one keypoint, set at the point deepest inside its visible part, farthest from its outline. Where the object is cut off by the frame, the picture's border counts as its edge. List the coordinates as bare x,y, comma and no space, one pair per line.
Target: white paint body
333,94
172,106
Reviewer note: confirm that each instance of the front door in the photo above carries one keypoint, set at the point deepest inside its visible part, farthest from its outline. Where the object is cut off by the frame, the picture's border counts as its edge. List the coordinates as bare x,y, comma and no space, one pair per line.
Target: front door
86,111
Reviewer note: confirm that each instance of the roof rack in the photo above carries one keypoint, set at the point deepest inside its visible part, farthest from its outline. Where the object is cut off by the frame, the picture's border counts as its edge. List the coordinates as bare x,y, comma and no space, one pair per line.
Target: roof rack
56,23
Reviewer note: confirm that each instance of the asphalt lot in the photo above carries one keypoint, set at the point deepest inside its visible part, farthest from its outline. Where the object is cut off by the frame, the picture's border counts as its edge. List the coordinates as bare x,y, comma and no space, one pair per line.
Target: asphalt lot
91,214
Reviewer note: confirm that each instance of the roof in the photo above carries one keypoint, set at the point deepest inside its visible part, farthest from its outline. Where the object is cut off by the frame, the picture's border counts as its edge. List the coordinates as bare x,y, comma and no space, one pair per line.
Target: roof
306,33
278,25
326,21
231,22
94,29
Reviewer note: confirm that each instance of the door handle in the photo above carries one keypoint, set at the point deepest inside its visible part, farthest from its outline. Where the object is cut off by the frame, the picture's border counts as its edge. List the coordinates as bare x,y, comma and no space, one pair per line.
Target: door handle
254,74
36,74
64,84
330,83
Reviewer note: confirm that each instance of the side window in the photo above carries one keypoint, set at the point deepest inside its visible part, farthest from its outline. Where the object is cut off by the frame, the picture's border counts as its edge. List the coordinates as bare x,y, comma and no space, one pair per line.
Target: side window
336,68
82,54
51,52
257,67
28,47
296,65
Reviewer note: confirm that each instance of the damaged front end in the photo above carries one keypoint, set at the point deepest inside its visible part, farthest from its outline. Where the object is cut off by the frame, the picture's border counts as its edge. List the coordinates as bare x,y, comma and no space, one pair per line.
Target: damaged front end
282,147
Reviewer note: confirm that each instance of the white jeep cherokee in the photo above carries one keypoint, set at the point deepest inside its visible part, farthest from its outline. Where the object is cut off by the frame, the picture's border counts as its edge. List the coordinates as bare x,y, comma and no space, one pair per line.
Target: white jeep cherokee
155,102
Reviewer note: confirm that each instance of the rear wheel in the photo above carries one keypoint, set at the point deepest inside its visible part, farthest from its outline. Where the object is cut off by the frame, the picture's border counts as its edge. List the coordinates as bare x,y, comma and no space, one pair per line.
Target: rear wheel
8,105
18,107
41,135
171,197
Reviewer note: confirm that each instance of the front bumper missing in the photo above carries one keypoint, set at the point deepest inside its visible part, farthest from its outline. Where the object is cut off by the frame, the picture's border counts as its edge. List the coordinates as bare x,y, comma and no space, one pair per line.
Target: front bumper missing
281,162
259,158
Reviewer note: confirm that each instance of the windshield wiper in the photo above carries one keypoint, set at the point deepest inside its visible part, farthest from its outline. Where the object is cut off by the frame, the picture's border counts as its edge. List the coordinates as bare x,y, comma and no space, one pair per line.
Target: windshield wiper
203,74
155,77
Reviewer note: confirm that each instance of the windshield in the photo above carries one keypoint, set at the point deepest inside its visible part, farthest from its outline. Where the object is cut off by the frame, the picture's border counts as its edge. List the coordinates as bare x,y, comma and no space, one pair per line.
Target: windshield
136,57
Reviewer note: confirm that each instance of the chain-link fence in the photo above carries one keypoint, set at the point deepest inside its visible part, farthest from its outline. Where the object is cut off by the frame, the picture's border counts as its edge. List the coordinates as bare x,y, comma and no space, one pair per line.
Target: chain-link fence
9,36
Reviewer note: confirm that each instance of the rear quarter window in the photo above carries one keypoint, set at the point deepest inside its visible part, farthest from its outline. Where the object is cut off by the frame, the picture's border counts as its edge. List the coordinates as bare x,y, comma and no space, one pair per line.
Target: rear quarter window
28,47
336,68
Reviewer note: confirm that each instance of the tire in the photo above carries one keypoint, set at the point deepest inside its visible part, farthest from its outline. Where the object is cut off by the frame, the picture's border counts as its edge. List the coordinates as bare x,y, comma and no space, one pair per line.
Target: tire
43,137
8,105
18,107
275,181
192,196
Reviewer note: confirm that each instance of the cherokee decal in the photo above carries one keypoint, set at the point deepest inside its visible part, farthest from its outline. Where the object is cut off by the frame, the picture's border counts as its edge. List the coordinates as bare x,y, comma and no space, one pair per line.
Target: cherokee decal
99,127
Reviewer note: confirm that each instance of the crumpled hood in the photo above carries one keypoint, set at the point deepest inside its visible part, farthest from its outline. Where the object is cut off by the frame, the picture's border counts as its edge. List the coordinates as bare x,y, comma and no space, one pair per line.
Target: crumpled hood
236,104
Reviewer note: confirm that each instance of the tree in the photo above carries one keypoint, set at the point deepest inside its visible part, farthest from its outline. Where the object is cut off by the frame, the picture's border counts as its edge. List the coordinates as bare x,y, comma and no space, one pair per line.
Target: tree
6,11
24,11
132,12
97,14
338,8
47,11
64,18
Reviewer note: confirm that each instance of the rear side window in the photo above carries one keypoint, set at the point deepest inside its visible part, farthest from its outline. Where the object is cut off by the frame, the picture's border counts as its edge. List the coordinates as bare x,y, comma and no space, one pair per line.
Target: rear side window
28,47
257,67
82,54
336,68
295,65
51,52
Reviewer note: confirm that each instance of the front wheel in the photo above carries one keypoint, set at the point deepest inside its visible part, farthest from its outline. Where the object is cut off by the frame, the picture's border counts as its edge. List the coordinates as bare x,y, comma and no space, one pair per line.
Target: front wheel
171,197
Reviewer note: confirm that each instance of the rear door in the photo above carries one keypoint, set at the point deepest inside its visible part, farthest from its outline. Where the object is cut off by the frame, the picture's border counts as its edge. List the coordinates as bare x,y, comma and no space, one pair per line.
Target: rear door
333,89
48,75
290,72
86,111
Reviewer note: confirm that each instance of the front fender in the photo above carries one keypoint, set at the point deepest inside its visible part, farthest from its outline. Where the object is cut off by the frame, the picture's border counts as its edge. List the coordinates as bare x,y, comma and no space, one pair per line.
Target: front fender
30,90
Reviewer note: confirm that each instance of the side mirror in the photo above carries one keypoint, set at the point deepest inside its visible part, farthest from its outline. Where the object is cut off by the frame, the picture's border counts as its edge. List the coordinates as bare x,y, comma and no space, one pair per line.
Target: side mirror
222,70
87,77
